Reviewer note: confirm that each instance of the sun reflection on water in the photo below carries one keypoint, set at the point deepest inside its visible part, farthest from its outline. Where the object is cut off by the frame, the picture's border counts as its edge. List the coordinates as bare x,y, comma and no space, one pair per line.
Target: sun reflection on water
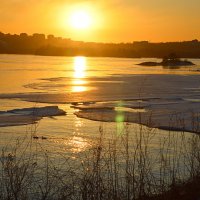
78,88
79,67
78,82
79,144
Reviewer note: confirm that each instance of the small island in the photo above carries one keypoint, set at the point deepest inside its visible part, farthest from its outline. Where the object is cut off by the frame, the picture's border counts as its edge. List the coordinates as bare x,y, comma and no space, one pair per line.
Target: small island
172,61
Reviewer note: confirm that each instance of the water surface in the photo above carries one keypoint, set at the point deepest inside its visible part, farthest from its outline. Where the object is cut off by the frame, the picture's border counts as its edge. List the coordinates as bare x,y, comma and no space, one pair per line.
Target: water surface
36,81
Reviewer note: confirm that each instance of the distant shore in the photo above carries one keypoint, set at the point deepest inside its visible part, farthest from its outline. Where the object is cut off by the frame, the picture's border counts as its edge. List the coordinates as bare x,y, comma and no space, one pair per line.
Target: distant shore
40,44
20,54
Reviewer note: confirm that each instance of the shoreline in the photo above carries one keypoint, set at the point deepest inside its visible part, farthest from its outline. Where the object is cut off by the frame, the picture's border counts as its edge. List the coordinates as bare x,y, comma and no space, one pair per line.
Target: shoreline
91,56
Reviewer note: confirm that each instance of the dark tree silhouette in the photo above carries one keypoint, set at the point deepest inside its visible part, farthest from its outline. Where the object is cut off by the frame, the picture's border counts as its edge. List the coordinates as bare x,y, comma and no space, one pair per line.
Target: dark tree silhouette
57,46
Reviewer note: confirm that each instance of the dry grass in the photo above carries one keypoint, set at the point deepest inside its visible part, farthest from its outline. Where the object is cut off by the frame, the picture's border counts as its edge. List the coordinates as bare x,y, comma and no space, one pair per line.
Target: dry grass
122,167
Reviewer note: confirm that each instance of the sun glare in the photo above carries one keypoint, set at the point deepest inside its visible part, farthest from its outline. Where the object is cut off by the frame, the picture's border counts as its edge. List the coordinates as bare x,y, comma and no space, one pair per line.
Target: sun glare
80,20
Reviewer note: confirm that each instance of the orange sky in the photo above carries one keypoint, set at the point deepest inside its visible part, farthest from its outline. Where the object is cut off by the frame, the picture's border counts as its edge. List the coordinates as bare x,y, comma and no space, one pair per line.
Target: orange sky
116,21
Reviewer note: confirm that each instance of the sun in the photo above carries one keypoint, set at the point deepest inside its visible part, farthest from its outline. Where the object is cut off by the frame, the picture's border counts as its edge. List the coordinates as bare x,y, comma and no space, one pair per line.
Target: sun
80,19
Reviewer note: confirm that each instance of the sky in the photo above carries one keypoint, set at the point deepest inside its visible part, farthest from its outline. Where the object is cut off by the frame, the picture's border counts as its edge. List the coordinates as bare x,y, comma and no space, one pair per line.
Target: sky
111,20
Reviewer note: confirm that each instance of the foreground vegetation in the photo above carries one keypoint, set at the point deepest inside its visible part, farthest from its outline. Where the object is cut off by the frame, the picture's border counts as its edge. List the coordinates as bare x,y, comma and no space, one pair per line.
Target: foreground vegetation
121,166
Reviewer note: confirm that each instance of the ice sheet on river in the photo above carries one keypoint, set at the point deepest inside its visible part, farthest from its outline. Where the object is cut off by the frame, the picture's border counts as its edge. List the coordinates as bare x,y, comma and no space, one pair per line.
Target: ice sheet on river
171,100
60,90
179,115
26,116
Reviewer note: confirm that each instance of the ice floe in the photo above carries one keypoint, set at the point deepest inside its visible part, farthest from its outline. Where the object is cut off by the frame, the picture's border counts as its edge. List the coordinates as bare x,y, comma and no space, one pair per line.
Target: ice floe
26,116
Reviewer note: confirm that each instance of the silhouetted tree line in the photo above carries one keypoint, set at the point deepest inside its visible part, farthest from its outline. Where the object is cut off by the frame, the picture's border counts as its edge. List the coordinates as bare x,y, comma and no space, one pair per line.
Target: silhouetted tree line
39,44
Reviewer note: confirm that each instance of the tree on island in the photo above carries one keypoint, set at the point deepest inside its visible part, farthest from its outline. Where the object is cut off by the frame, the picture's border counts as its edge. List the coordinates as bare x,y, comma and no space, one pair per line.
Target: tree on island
171,57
